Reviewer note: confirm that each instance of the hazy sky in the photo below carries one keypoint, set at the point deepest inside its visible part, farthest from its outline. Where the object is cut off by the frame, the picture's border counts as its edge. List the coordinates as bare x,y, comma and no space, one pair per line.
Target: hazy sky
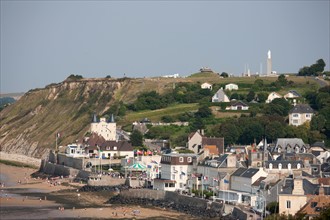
43,42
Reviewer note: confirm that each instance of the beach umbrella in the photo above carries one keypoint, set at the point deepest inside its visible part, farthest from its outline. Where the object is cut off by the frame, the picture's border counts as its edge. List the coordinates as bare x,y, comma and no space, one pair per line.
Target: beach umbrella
137,166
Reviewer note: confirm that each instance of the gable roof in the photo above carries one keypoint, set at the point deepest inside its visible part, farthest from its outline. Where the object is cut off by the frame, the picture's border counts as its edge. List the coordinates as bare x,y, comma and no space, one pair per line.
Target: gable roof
239,103
301,108
295,93
292,142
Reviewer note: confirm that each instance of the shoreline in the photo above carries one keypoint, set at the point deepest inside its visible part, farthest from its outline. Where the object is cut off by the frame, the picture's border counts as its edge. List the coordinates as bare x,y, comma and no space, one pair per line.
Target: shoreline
36,198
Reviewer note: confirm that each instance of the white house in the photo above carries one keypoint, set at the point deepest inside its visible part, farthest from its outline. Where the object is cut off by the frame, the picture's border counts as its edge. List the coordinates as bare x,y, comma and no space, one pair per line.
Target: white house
107,129
231,86
111,149
292,94
239,105
206,86
175,170
272,96
220,96
74,150
300,114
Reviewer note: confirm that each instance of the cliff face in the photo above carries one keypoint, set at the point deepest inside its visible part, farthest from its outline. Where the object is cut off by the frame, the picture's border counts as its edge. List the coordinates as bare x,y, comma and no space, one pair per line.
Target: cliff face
29,126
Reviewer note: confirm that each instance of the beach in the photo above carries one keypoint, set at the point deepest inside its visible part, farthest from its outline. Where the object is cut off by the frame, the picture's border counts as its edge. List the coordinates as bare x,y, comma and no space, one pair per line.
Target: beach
24,197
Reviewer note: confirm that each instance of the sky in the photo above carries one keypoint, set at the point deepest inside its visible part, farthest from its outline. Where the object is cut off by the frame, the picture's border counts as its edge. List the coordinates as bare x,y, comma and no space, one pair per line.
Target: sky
43,42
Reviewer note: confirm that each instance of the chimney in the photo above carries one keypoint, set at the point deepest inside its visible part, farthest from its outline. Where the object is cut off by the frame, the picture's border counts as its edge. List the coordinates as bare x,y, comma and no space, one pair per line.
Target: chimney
298,187
202,132
321,190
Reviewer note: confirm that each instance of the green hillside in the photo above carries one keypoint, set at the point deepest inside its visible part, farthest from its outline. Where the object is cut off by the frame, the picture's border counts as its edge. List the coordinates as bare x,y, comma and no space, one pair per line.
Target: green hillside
29,125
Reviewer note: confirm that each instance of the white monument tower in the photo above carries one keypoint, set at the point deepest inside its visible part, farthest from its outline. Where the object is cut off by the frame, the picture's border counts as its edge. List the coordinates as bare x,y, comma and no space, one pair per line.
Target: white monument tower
269,63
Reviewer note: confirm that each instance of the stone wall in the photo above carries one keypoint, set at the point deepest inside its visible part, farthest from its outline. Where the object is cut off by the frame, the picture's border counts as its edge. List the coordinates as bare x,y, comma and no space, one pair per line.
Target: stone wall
105,180
20,158
60,170
143,193
77,163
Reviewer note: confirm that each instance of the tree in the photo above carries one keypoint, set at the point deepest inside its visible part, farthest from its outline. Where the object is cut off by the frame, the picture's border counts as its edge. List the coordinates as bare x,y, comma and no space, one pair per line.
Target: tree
203,112
230,131
167,119
250,96
314,69
224,75
281,80
136,138
262,97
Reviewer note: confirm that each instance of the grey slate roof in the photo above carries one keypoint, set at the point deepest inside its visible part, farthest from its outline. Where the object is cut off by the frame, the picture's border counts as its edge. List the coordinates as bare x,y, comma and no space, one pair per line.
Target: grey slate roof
295,93
244,172
309,188
301,108
239,103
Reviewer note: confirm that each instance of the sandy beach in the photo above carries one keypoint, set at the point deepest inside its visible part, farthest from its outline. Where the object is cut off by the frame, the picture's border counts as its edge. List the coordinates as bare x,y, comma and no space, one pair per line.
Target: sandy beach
24,197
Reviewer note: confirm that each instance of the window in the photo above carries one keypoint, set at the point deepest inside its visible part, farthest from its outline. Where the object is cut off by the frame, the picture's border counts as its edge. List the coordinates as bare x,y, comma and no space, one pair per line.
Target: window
308,115
181,185
295,115
171,185
173,176
294,121
189,159
181,159
280,166
114,148
270,166
288,204
289,166
166,184
298,166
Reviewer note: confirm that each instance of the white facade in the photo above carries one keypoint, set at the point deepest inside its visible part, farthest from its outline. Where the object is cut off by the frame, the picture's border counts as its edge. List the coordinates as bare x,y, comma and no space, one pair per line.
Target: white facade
206,86
194,142
73,150
297,119
106,129
178,173
220,96
231,86
272,96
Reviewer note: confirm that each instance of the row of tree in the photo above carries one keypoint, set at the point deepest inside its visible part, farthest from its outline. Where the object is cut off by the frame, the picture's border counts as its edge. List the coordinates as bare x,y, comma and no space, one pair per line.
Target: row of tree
313,70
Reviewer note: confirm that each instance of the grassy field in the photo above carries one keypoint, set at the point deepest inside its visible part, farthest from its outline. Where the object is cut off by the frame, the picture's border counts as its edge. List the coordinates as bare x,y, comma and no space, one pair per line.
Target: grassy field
155,115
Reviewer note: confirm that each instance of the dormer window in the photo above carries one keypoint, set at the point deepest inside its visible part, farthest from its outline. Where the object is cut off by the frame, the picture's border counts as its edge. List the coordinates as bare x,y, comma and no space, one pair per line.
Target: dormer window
181,159
114,148
295,115
189,159
280,166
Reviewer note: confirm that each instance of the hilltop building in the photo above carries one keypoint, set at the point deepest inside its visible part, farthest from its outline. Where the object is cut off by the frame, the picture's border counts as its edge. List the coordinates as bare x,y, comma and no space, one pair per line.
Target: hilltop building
104,128
231,86
220,96
300,114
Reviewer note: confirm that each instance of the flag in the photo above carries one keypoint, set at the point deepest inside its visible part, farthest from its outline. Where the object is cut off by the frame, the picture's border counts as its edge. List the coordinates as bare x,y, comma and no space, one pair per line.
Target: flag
127,161
225,181
205,177
58,135
215,179
183,173
149,166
